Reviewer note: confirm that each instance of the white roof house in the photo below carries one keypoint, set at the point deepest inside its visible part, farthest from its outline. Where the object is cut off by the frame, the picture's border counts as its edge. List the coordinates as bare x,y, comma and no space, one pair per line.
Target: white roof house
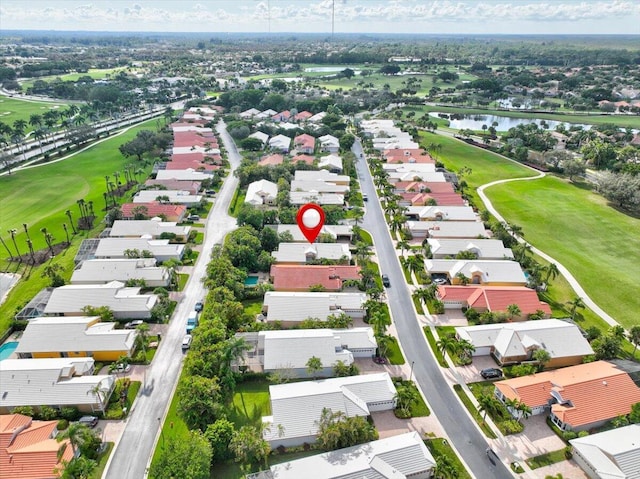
409,167
185,150
447,229
74,334
442,213
329,143
508,341
262,192
297,407
175,197
183,175
320,186
305,252
483,248
125,302
250,113
266,114
181,127
428,176
395,457
302,197
324,175
335,231
295,307
52,382
317,117
331,162
613,454
162,250
494,272
153,227
99,271
258,135
280,143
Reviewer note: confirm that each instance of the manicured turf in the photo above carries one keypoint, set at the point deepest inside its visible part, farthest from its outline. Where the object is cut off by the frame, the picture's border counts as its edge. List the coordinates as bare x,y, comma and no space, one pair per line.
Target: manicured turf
394,355
250,403
95,73
40,196
546,459
595,242
12,109
440,448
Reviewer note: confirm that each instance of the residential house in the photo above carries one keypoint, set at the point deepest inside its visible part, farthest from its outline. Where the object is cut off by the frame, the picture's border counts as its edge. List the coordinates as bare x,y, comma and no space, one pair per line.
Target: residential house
301,253
442,248
183,175
579,398
442,213
153,228
339,233
174,197
291,349
403,188
317,118
447,229
511,343
609,454
265,114
297,407
401,456
250,113
493,298
407,155
262,192
119,248
29,449
57,382
329,144
271,160
332,162
295,307
297,198
485,272
282,116
126,303
431,198
306,159
193,187
280,143
75,337
322,175
263,137
100,271
174,213
289,277
304,143
302,116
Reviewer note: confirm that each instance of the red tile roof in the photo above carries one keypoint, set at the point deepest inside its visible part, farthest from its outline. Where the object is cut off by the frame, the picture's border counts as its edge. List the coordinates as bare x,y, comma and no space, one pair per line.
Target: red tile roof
597,392
301,277
195,164
172,212
495,298
304,141
271,160
308,159
441,199
33,453
303,115
407,155
432,186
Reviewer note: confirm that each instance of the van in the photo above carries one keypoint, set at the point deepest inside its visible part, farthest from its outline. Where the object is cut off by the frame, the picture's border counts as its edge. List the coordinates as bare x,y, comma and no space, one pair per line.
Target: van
192,321
186,342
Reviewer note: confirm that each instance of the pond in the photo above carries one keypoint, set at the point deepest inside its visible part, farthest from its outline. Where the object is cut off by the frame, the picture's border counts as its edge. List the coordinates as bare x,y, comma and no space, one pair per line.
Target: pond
475,122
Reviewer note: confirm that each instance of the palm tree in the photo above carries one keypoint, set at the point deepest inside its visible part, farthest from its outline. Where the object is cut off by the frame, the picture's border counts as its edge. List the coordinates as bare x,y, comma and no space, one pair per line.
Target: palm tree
66,232
76,433
634,337
415,264
406,396
446,344
141,338
314,365
358,214
100,394
486,404
426,294
7,248
48,238
551,272
73,228
542,356
30,246
402,245
462,279
513,310
523,410
574,304
512,405
13,233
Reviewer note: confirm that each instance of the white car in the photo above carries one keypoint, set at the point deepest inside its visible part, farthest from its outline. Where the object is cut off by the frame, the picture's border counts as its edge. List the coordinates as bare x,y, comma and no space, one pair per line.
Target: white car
122,368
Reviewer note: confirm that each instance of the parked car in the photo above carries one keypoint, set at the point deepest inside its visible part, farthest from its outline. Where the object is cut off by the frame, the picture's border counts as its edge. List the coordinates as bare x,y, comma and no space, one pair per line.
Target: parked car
440,281
186,342
122,368
133,324
491,373
199,305
90,421
365,197
385,280
193,217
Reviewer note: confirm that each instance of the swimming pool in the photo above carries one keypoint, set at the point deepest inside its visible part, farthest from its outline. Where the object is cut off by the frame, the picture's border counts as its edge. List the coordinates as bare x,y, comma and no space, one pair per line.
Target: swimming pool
251,281
7,349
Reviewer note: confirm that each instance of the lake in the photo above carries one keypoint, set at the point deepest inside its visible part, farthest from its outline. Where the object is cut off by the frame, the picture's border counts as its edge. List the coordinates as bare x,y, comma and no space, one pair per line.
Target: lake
475,122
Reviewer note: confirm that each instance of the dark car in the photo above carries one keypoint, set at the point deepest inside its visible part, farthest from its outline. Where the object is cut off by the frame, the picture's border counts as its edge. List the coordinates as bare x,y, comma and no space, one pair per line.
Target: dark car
491,373
385,280
90,421
199,305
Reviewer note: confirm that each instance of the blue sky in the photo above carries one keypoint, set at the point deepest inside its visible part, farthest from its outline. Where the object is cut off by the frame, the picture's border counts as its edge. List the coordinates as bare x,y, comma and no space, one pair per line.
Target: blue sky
351,16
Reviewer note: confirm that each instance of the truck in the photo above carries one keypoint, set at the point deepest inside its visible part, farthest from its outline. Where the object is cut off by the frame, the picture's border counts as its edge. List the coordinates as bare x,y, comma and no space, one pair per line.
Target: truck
192,321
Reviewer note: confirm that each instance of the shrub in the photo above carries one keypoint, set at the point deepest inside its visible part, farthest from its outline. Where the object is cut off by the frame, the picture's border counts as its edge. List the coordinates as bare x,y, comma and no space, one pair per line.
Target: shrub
568,453
19,324
568,435
511,426
70,413
46,413
62,424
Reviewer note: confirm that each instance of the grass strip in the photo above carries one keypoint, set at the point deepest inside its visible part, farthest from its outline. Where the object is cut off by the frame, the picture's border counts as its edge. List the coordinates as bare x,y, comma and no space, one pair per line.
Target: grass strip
473,411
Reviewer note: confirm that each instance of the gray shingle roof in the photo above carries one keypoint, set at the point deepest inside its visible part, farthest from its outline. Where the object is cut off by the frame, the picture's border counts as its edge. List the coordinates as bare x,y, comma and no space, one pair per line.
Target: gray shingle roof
98,271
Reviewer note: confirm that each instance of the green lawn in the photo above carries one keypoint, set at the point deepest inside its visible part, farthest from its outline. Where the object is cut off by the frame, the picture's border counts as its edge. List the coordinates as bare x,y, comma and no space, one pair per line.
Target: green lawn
433,345
95,73
12,109
440,448
575,226
39,196
473,411
102,462
394,355
250,403
547,459
252,307
182,280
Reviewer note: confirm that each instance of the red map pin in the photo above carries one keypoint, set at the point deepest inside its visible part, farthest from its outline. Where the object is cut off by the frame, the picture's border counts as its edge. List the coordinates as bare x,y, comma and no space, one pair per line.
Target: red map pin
310,219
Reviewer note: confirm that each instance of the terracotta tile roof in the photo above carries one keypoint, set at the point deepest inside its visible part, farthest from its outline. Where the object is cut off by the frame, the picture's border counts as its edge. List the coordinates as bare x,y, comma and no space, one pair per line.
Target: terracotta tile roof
495,298
301,277
195,164
441,199
597,392
308,159
154,209
303,115
408,155
304,141
32,453
185,185
271,160
433,186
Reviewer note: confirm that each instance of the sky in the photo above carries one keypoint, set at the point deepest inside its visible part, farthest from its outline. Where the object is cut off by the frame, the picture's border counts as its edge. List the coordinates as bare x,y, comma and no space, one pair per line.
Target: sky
350,16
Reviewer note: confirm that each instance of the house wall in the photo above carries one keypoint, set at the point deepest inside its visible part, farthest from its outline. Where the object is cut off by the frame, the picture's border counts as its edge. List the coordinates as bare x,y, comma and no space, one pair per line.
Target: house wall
292,441
362,353
564,361
97,355
381,406
326,372
585,465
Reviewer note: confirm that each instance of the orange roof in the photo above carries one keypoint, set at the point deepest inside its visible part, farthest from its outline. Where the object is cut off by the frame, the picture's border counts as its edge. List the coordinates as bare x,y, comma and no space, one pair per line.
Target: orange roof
300,277
154,209
304,141
432,186
303,115
408,155
308,159
597,391
495,298
441,199
271,160
32,453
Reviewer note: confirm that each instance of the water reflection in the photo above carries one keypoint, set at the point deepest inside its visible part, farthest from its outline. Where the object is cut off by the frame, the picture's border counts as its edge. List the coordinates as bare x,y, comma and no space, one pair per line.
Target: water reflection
500,123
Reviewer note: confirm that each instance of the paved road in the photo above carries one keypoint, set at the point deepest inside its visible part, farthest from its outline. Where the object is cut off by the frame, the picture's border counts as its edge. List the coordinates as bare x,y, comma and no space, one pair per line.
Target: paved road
467,439
132,454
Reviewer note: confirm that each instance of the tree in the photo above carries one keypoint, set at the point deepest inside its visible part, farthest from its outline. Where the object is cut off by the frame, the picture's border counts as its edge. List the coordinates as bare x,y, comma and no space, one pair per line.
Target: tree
406,396
634,415
314,365
48,239
403,245
462,279
446,344
249,447
542,356
337,431
486,404
219,434
77,433
54,271
574,304
199,401
621,189
514,311
551,272
341,369
184,457
634,337
77,468
573,168
607,346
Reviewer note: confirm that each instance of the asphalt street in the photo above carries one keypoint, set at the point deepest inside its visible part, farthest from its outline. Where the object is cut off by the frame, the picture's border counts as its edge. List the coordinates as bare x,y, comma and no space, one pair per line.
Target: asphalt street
132,454
469,442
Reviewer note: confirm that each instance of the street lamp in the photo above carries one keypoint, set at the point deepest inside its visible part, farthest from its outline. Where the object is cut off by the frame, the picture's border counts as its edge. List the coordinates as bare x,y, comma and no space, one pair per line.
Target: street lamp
411,375
161,431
